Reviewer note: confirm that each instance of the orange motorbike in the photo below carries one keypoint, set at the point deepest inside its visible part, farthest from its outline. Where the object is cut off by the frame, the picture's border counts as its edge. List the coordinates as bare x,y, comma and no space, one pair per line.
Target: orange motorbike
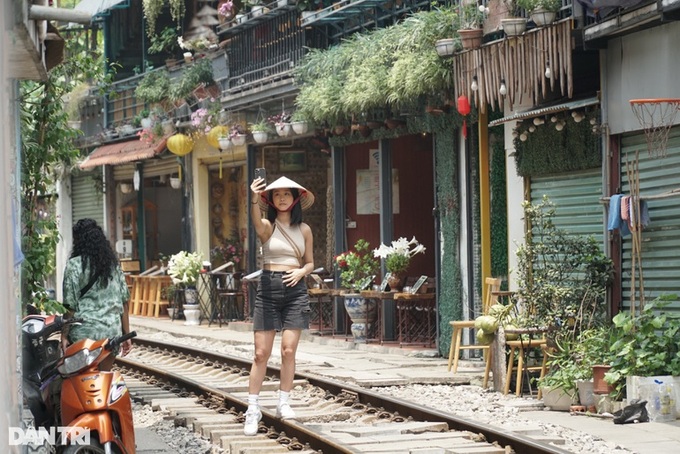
87,401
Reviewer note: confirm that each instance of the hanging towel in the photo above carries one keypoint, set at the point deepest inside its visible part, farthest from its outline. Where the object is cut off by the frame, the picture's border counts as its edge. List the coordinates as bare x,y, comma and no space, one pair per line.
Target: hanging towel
615,222
644,214
625,208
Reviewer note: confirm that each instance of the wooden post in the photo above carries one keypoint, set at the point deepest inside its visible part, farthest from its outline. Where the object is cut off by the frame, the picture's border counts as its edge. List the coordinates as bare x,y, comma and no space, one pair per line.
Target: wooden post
498,366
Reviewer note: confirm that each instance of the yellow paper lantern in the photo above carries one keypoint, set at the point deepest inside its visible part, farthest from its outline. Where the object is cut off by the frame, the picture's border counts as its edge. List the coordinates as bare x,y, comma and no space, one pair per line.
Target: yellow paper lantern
214,135
180,144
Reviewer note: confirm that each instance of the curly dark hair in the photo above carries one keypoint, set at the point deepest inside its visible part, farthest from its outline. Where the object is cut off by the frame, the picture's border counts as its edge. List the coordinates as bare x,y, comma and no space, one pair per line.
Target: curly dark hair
90,243
295,212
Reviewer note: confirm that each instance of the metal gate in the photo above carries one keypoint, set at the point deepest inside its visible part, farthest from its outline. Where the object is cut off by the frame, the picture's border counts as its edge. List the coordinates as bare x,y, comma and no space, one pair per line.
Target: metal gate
576,196
660,245
87,199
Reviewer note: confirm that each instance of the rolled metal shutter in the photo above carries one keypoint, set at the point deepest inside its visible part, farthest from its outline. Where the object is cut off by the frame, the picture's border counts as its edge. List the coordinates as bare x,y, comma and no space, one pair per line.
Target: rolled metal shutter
152,168
86,200
661,238
577,201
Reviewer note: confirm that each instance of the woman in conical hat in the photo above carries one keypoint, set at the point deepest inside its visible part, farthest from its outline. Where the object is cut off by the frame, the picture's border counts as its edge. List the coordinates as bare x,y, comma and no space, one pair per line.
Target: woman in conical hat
281,303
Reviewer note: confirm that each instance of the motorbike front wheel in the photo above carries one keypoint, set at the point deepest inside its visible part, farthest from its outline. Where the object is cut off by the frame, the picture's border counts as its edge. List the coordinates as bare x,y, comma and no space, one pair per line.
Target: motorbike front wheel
93,448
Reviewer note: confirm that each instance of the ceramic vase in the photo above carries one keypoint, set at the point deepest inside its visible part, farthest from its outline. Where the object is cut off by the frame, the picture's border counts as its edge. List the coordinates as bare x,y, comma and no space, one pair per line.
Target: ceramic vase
192,314
362,313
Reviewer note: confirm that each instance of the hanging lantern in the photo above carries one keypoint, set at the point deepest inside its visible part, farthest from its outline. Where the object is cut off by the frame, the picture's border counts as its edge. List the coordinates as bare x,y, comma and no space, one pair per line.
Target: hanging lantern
180,144
464,110
214,135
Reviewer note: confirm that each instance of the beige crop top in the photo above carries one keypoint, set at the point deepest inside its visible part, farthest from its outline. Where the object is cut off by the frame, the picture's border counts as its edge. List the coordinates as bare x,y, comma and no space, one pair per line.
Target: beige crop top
277,250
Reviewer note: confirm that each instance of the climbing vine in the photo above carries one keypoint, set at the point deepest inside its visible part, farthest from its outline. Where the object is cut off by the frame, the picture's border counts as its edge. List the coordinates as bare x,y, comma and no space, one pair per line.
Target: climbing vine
47,154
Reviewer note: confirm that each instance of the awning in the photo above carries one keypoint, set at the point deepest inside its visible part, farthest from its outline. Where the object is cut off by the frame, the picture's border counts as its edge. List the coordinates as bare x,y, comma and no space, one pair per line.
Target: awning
99,7
547,110
122,152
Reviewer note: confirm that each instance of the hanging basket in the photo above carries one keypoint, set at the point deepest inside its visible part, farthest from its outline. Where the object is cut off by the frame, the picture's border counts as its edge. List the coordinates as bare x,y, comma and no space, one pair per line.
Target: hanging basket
300,127
514,26
445,47
260,136
283,129
239,139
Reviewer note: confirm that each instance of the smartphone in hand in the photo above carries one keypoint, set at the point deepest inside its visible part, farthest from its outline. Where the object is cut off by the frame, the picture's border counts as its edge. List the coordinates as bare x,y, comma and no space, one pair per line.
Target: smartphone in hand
261,172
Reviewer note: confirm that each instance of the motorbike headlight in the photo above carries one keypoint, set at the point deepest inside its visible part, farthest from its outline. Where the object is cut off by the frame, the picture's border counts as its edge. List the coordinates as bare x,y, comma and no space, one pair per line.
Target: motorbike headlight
33,325
78,361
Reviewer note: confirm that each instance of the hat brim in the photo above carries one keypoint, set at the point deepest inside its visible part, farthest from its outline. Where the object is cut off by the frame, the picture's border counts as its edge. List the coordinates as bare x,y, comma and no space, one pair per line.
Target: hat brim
306,196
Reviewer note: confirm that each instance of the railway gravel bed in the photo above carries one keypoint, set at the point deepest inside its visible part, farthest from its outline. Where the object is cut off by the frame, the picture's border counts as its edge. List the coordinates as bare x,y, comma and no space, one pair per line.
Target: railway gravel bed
468,401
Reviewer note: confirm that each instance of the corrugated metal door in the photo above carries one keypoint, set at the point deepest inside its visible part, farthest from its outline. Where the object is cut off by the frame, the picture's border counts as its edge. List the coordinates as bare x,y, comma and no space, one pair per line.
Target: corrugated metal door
87,201
577,201
660,251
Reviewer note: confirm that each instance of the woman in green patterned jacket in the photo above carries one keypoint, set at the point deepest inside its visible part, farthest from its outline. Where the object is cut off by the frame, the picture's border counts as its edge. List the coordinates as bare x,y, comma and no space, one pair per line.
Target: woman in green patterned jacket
94,288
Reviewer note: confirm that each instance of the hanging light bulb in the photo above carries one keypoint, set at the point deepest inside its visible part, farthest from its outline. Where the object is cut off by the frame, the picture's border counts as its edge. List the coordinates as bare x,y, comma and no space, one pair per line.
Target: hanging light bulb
532,128
577,116
593,121
538,121
548,73
553,119
515,134
503,90
523,137
559,126
474,85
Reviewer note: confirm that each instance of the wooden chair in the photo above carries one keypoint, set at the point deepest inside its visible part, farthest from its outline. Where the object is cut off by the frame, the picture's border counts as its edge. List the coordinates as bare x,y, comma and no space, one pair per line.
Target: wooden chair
518,350
492,285
156,300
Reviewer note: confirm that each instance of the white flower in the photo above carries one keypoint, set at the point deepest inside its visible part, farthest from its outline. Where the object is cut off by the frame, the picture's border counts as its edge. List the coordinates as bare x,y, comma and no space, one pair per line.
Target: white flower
184,267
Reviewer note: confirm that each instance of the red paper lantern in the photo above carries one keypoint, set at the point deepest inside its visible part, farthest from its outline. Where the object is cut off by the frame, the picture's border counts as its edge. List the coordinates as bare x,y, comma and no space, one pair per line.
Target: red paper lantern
464,109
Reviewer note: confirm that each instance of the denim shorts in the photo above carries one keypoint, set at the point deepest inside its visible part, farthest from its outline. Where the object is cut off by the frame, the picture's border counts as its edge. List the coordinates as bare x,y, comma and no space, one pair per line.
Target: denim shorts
278,307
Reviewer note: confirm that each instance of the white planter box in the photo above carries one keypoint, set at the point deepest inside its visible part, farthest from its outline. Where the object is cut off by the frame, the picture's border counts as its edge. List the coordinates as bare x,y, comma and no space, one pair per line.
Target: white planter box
644,387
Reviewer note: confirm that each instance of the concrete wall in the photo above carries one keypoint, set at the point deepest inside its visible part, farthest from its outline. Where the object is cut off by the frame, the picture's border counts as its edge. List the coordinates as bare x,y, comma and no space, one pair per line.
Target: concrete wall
639,66
9,322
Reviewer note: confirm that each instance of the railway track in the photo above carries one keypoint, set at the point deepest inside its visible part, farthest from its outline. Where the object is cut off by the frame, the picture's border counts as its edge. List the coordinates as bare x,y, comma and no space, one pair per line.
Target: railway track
207,392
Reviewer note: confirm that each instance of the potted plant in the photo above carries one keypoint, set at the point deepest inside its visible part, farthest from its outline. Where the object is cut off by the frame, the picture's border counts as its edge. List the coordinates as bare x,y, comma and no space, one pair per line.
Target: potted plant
357,271
398,258
229,250
165,42
154,87
542,12
281,123
514,24
299,123
470,29
237,134
260,130
647,347
192,77
184,268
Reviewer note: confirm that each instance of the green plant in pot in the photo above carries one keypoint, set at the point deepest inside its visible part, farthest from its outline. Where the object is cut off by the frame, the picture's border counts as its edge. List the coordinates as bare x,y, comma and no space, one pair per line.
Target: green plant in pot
542,12
154,87
647,343
165,42
397,258
201,72
561,277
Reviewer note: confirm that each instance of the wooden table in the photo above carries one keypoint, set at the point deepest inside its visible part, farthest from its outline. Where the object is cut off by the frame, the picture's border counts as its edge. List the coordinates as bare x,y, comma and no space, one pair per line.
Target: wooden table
417,317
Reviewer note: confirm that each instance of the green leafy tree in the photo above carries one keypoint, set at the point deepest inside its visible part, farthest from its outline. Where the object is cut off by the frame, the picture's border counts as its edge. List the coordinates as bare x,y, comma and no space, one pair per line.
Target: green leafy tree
47,151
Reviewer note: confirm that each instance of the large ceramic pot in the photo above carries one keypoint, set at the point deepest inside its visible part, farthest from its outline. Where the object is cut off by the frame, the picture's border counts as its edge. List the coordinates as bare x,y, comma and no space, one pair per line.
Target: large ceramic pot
190,296
542,17
514,26
471,38
362,313
192,314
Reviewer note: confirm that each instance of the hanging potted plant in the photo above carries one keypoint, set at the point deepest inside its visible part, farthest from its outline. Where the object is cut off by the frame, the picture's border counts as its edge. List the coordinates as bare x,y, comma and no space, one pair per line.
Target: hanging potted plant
357,272
166,43
281,123
260,131
237,135
299,123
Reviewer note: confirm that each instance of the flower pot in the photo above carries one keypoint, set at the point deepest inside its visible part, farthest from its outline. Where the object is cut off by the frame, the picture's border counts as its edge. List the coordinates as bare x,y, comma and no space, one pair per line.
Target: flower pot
445,47
239,139
283,129
396,282
225,143
190,296
260,136
557,399
542,17
585,393
362,313
175,183
168,127
192,314
599,385
256,10
471,39
300,127
146,123
514,26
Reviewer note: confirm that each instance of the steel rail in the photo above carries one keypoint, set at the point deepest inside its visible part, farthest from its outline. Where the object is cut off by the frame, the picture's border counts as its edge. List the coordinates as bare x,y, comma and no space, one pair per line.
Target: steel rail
519,443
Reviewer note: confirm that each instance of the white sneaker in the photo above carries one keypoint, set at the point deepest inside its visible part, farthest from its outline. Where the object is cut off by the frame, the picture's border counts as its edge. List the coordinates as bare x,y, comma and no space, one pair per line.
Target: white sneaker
252,419
283,411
